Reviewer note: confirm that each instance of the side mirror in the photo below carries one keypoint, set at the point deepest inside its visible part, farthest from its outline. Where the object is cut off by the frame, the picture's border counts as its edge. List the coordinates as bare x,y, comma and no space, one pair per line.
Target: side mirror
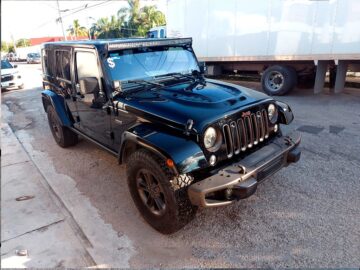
15,66
202,67
89,85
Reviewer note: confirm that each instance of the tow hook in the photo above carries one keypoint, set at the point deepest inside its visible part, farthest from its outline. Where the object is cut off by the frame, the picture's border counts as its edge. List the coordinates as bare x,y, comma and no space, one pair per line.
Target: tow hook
288,140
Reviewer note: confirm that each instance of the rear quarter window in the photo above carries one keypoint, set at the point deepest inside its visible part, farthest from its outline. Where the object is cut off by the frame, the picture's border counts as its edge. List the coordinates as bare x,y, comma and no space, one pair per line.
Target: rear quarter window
62,59
48,62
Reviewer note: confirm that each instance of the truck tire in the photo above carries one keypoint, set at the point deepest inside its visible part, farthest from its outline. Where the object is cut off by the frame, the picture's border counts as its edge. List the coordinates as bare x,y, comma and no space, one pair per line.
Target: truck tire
160,196
62,135
278,80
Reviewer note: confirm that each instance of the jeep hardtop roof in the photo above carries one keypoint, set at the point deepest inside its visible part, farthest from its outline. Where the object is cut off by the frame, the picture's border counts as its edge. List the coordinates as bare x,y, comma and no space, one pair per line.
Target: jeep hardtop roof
119,44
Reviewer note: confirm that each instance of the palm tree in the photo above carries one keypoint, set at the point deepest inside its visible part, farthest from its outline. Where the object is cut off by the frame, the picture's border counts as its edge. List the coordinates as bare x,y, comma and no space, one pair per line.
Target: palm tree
105,28
137,21
130,18
130,21
76,30
150,17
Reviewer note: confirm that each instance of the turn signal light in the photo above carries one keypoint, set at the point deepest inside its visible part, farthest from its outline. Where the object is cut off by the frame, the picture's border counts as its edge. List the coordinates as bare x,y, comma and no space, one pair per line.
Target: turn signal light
169,163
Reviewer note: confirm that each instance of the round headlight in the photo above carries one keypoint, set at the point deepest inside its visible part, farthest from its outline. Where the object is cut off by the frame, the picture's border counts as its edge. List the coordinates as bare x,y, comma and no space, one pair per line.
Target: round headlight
210,137
272,113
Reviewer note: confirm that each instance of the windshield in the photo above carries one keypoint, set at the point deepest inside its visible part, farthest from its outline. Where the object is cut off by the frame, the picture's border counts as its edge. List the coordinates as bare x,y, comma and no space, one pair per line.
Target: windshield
5,64
146,63
34,55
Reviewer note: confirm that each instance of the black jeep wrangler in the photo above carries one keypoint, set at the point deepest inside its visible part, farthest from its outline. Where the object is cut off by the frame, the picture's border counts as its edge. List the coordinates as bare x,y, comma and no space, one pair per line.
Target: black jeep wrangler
188,141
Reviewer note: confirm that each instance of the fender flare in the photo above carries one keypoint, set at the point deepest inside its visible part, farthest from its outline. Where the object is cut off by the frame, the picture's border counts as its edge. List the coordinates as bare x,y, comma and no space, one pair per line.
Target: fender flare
58,102
285,113
185,153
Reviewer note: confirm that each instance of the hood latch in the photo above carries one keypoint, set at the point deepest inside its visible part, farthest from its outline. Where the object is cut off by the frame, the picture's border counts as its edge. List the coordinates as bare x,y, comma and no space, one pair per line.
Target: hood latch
188,127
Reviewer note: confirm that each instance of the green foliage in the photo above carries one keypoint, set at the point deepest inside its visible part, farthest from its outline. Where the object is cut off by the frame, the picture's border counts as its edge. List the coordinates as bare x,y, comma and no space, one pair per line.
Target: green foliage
23,42
7,47
4,46
76,30
11,48
105,28
129,22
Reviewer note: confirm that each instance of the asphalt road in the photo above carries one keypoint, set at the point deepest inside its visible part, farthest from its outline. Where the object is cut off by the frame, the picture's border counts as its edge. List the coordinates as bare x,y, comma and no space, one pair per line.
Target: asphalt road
306,215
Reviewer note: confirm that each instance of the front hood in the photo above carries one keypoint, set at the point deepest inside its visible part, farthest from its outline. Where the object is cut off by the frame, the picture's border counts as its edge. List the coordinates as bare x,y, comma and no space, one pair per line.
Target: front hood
204,105
8,71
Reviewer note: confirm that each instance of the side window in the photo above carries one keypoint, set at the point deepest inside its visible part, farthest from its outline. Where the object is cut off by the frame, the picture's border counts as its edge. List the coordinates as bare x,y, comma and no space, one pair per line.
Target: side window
162,33
48,62
86,65
62,59
45,63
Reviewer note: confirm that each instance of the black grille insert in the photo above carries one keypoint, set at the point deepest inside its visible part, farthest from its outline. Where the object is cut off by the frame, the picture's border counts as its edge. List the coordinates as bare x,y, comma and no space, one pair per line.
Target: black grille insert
246,132
7,78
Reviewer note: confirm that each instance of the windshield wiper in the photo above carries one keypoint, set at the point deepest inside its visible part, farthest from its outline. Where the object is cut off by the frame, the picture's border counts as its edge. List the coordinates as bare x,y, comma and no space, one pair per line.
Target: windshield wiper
147,85
144,82
176,75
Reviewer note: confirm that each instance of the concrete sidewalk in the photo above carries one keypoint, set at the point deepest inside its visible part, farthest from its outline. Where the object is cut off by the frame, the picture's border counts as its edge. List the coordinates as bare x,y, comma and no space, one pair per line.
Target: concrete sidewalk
33,220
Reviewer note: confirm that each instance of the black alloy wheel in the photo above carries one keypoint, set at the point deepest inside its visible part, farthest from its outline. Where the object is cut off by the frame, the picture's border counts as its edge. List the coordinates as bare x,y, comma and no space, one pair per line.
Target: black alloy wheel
159,195
63,136
151,192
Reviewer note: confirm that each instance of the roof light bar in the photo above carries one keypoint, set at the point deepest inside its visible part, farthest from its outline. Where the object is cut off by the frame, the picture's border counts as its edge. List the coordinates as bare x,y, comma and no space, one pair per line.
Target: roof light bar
137,44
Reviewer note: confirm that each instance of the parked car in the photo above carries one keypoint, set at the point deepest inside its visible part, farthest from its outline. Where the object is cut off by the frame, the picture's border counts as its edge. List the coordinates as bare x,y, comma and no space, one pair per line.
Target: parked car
10,76
12,57
188,141
33,58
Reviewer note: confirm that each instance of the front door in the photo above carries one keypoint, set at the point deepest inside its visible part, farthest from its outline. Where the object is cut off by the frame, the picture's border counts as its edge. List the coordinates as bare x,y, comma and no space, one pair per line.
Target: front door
93,120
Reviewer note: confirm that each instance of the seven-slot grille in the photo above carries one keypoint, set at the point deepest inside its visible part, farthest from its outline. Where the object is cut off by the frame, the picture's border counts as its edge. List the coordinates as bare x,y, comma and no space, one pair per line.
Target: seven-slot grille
246,132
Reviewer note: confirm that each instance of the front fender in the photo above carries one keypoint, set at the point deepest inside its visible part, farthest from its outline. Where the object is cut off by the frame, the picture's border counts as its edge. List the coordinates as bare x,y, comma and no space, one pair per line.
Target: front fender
285,113
185,153
58,102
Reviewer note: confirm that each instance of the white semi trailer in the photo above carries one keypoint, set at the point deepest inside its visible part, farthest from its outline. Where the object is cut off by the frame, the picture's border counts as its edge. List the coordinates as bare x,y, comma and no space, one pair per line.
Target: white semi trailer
24,51
286,41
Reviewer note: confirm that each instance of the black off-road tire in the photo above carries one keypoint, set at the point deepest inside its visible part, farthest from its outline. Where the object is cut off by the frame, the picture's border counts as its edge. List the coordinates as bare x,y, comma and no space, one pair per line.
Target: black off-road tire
178,209
62,135
287,76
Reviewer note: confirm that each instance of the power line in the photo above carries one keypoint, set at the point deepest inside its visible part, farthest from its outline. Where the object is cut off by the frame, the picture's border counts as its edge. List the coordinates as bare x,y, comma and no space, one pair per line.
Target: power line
88,7
79,7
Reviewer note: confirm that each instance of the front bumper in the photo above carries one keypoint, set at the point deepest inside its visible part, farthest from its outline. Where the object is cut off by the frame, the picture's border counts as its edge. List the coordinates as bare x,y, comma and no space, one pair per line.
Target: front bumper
15,82
34,61
240,179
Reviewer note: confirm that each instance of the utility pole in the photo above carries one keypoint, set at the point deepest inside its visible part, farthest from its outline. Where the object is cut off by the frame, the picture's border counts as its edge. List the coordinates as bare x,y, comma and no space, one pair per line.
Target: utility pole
60,19
88,25
13,40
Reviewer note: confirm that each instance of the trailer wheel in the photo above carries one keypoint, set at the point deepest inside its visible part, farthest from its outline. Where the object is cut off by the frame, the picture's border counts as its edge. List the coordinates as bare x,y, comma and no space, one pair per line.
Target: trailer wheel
278,80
